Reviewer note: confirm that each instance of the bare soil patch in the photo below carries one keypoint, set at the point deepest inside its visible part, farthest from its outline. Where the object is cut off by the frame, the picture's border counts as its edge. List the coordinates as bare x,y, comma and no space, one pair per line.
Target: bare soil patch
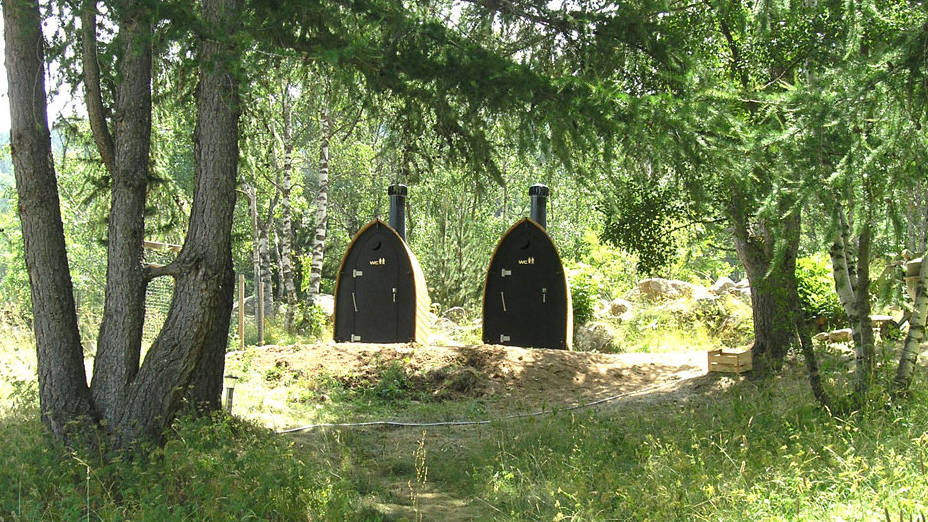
516,378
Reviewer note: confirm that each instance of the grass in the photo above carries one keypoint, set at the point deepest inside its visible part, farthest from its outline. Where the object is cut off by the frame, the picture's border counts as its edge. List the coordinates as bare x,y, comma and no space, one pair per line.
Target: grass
743,450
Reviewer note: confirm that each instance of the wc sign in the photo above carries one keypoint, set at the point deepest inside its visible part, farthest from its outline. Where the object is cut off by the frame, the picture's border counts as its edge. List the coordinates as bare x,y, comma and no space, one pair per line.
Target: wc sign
375,262
527,261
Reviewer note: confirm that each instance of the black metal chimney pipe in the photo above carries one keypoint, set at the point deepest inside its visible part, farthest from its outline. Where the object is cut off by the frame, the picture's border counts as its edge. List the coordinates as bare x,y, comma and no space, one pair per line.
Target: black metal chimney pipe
397,195
539,195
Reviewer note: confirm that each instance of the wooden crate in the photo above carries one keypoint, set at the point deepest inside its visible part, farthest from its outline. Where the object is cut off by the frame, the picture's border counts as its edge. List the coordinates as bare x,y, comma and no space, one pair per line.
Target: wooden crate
731,361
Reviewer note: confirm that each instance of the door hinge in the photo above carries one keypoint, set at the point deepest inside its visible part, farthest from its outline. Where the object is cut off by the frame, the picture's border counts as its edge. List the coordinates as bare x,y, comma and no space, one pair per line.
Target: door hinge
506,273
355,338
356,273
503,338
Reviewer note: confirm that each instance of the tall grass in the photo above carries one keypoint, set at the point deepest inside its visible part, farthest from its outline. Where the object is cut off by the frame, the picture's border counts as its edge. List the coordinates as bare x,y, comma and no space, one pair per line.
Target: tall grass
734,450
757,451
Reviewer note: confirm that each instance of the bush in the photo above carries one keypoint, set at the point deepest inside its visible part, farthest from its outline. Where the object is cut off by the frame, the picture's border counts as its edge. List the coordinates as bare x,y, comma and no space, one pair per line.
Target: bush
584,292
817,296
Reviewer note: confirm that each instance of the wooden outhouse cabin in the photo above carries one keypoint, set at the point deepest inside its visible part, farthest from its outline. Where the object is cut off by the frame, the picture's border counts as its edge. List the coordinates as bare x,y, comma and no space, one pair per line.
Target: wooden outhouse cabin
526,298
380,292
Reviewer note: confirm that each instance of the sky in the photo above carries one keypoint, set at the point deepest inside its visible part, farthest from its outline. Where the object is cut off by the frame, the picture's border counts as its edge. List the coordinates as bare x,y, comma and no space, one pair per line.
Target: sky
56,105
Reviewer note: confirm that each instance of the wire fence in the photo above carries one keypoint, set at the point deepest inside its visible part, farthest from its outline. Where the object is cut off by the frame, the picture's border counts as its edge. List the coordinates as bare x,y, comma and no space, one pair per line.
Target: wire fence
159,293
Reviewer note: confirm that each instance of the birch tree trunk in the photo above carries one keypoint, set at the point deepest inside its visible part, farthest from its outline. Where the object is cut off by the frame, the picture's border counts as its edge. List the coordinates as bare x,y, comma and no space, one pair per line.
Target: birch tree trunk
64,398
322,203
851,272
264,258
286,228
916,335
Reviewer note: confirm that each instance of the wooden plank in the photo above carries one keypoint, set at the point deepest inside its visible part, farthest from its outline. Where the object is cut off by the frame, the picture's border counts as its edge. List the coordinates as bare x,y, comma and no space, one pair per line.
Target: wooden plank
155,245
721,360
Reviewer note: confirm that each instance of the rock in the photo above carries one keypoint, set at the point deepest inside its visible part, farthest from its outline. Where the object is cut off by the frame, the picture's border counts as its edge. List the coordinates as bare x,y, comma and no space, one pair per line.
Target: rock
657,289
619,306
722,286
744,283
743,293
594,336
456,314
701,293
880,320
823,336
326,302
840,336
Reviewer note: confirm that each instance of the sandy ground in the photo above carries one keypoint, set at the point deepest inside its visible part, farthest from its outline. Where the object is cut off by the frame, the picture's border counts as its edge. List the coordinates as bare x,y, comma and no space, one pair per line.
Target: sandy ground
516,377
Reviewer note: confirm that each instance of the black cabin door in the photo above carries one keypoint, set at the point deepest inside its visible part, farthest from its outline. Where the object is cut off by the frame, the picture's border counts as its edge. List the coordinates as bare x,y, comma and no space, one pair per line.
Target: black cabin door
523,296
374,287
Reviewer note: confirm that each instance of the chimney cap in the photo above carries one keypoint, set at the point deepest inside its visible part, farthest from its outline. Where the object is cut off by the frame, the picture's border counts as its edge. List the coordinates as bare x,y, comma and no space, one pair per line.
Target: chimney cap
397,190
538,190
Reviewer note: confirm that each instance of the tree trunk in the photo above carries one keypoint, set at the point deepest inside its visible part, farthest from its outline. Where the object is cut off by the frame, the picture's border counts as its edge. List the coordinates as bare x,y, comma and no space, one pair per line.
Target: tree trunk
865,350
93,98
916,335
286,230
64,397
808,352
120,342
252,194
851,271
264,256
322,203
772,274
916,218
189,351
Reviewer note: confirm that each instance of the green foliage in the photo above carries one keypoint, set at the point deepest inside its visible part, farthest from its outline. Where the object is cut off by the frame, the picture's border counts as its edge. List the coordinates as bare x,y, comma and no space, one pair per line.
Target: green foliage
217,468
612,269
314,319
686,324
585,292
817,296
641,219
392,383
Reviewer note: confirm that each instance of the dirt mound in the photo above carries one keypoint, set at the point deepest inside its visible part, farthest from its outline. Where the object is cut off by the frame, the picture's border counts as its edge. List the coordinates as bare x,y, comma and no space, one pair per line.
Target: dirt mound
517,376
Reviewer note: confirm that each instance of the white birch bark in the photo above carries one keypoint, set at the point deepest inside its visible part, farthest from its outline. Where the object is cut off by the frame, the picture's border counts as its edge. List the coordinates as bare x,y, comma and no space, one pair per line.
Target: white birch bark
916,335
322,203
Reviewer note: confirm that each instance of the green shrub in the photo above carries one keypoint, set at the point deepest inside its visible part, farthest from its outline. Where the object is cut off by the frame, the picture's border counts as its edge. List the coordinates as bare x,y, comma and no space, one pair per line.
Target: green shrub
817,296
584,292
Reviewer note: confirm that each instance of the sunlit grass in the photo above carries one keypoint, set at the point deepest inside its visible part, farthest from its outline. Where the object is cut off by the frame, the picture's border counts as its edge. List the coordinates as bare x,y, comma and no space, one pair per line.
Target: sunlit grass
738,449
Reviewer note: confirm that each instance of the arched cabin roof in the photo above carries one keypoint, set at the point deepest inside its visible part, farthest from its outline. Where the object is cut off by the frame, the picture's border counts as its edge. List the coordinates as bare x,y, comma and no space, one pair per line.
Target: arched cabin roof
555,273
421,296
